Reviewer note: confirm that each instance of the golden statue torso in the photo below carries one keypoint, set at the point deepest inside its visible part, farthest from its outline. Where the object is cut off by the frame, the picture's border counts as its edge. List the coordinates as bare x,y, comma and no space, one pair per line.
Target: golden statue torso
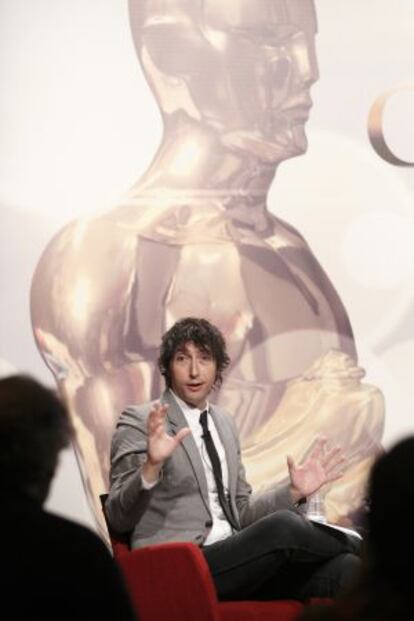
107,288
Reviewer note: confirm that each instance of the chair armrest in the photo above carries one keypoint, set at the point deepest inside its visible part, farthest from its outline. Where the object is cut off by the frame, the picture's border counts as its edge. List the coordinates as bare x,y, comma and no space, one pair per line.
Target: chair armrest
170,581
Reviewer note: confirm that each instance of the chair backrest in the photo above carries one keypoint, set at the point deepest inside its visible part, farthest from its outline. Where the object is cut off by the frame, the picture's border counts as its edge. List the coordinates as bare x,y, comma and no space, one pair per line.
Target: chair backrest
170,581
119,541
166,581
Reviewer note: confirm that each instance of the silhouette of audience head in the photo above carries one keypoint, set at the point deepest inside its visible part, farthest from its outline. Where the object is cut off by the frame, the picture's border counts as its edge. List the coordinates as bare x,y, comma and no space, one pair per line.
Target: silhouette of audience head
34,427
62,569
383,591
391,493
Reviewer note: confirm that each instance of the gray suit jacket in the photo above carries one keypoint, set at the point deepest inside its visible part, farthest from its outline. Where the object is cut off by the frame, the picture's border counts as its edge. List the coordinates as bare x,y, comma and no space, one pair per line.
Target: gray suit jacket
177,507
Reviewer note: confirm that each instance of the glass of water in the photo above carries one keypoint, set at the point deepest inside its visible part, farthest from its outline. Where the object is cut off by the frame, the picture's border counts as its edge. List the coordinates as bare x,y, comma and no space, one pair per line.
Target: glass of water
316,508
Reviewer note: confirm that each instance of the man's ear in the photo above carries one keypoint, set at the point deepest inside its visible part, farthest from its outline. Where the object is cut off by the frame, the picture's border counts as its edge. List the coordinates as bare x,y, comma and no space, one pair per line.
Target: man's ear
217,381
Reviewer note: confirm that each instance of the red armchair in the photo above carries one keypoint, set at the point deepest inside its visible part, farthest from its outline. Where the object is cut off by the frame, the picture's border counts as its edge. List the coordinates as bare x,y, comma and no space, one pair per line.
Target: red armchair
172,582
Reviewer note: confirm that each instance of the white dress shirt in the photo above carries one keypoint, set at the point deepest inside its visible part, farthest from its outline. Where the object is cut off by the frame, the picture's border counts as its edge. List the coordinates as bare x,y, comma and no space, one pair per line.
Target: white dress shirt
221,528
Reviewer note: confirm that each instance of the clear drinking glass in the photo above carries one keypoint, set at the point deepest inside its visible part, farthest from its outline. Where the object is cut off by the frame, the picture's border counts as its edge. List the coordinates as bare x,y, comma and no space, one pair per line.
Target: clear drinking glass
316,508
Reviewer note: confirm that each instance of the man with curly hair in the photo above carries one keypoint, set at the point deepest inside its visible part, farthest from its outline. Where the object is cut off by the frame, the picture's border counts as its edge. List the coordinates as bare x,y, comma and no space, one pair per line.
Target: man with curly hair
177,475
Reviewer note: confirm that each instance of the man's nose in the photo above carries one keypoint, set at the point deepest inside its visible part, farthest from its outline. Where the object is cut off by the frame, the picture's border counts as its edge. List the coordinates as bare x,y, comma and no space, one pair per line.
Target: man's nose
194,369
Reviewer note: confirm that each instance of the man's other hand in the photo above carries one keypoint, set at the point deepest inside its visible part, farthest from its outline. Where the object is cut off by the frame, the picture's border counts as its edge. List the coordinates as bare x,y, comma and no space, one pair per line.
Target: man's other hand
321,466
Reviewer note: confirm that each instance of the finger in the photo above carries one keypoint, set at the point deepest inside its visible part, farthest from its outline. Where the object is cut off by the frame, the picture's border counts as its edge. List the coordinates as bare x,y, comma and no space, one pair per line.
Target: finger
156,420
334,476
160,410
318,449
151,423
290,464
157,413
333,457
183,433
336,470
153,413
159,428
163,408
340,466
159,407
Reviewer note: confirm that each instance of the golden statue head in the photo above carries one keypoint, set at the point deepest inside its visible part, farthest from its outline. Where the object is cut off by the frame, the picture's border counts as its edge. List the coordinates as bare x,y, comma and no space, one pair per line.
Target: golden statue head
241,68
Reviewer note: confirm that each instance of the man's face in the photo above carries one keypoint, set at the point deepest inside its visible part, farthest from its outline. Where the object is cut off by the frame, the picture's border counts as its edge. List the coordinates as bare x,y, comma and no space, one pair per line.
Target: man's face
193,373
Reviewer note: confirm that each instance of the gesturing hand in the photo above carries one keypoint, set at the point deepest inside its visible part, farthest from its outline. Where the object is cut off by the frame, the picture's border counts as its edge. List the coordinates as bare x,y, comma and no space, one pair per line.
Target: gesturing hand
160,444
321,466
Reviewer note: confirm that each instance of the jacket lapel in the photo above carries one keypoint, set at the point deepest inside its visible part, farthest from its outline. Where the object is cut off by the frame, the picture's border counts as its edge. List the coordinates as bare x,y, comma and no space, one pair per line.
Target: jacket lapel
176,421
227,439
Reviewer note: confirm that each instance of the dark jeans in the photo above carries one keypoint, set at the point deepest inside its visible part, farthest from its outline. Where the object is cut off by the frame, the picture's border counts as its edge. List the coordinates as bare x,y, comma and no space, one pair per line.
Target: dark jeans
282,555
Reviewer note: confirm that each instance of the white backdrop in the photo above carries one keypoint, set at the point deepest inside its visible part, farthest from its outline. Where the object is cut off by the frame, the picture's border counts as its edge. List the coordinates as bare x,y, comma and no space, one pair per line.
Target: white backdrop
78,125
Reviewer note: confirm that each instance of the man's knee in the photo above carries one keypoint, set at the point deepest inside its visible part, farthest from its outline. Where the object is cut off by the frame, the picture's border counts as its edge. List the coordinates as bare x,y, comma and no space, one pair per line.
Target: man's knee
342,571
284,528
349,566
332,576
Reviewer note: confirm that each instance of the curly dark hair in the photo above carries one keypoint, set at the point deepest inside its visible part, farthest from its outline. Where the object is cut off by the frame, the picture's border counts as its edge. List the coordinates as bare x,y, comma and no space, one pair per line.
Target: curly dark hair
34,427
200,332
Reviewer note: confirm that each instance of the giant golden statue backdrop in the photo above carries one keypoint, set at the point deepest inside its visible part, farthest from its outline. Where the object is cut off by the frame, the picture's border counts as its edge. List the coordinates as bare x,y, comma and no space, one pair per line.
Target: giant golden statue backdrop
194,237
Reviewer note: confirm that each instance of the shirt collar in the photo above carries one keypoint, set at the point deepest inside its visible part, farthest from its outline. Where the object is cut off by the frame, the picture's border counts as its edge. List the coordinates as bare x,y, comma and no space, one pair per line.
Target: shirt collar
188,410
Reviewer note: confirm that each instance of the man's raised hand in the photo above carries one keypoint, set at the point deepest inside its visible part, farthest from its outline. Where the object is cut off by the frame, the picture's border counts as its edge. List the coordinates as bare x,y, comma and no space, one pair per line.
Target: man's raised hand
160,445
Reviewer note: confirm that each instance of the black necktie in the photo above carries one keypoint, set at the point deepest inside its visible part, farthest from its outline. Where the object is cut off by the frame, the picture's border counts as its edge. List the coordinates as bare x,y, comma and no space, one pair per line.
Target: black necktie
216,465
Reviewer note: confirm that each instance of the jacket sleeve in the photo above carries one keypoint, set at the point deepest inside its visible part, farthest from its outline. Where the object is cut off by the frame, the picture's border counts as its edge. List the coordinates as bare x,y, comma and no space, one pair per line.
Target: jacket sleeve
128,499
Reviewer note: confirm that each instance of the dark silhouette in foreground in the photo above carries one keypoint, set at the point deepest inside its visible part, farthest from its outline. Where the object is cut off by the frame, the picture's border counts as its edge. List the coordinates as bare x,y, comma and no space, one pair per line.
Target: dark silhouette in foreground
52,568
383,591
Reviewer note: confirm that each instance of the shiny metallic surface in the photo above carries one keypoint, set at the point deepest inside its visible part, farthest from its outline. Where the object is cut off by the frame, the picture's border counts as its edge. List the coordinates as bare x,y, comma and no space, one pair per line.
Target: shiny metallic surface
376,127
194,237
